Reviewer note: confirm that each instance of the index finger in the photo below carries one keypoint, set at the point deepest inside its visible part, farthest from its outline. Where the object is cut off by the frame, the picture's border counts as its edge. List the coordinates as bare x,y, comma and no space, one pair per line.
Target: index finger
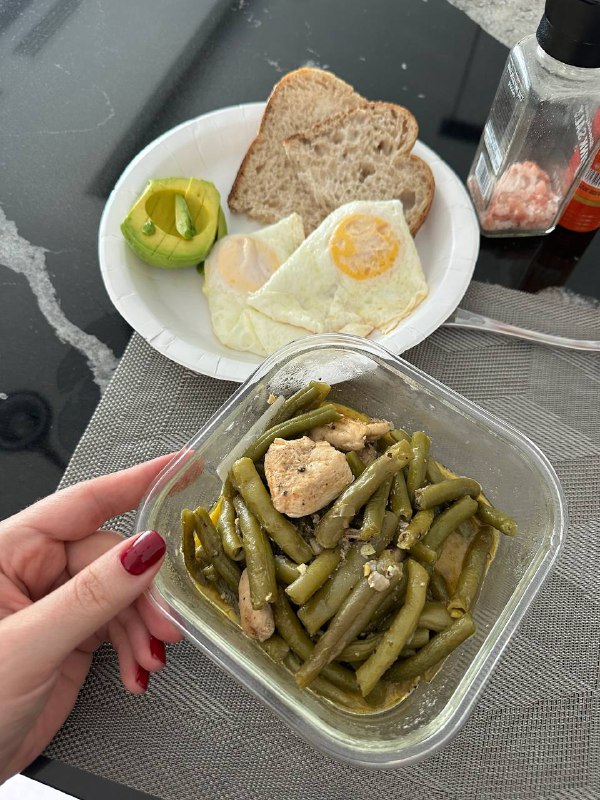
75,512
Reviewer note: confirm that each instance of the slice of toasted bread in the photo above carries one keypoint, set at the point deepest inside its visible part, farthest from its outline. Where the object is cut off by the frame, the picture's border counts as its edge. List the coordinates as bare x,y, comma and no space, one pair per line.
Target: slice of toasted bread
363,154
266,187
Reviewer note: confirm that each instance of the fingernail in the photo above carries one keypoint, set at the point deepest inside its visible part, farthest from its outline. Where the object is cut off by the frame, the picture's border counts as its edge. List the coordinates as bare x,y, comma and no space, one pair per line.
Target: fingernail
157,649
142,676
143,552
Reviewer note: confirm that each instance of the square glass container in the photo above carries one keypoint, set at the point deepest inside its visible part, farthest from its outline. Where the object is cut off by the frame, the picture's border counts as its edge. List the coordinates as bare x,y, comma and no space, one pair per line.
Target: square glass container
515,475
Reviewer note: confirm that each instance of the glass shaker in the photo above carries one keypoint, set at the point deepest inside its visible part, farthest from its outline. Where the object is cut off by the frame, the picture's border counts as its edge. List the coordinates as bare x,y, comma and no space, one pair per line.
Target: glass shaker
542,130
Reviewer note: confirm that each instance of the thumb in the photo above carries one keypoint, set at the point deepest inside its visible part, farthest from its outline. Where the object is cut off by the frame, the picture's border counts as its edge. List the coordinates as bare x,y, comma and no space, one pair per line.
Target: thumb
61,620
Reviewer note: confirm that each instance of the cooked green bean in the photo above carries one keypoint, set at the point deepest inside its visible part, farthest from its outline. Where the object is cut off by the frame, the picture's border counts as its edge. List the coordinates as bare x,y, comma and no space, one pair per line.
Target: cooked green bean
434,651
419,639
415,530
304,398
355,463
188,545
435,617
438,587
375,511
444,492
201,556
385,441
315,576
497,519
433,472
286,570
448,521
291,427
293,633
393,600
400,435
211,542
327,601
419,444
332,525
351,413
423,553
361,649
259,557
275,647
210,573
400,501
472,573
398,635
329,690
258,500
232,544
352,617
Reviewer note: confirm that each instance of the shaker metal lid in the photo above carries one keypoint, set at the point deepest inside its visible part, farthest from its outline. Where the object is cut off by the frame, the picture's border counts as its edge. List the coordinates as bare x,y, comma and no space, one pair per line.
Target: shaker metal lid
569,31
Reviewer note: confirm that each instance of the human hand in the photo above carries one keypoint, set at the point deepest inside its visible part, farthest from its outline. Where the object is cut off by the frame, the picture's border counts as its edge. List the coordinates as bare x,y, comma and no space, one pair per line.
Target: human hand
66,587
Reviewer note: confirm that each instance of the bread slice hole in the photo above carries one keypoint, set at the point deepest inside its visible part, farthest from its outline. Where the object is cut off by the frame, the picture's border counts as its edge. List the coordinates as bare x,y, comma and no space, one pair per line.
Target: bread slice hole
408,199
385,147
366,169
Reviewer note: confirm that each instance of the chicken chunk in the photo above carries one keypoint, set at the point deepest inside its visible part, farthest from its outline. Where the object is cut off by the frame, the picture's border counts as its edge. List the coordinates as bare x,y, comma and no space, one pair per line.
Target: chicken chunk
257,623
350,434
304,476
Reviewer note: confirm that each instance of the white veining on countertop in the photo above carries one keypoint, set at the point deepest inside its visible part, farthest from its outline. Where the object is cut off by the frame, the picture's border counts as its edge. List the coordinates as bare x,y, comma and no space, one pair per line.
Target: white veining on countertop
505,20
29,260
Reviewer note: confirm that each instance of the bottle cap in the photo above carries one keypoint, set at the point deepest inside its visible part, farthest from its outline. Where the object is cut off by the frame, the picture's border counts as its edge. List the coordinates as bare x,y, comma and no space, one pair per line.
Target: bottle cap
569,31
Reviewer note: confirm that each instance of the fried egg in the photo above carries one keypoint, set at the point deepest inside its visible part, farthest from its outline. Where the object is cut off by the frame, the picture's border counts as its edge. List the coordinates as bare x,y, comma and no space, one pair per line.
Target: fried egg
359,272
237,266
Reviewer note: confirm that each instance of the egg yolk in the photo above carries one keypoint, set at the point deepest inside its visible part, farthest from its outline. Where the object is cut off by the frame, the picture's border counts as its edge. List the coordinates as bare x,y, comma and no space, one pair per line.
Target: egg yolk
245,263
363,246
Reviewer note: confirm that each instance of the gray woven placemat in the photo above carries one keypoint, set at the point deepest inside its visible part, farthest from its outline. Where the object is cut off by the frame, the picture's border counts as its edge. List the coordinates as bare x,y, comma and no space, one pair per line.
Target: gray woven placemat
535,732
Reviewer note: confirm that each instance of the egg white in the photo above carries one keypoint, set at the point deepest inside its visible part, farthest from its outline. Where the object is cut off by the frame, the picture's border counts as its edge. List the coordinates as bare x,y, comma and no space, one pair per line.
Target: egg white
240,261
310,291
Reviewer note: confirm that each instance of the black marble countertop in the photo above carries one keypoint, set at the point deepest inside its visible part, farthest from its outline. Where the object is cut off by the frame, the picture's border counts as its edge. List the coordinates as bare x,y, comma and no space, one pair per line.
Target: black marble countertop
85,84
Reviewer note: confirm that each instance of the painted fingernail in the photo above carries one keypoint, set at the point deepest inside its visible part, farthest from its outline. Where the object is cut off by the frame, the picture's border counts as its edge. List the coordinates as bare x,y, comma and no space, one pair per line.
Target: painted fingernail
142,676
157,649
143,552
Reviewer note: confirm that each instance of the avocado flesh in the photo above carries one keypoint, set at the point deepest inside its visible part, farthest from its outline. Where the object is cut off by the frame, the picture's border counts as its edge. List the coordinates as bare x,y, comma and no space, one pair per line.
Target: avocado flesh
165,247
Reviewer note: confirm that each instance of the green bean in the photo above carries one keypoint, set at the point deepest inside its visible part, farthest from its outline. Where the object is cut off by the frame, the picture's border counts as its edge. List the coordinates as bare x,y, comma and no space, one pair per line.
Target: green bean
201,556
304,398
375,511
328,689
361,649
400,501
258,500
327,601
293,633
351,413
400,435
211,542
352,617
434,651
332,525
275,647
473,572
438,587
188,545
451,489
315,576
419,444
285,570
355,463
291,427
433,472
415,530
385,441
419,639
210,573
259,557
232,544
448,521
393,600
423,553
435,617
497,519
400,631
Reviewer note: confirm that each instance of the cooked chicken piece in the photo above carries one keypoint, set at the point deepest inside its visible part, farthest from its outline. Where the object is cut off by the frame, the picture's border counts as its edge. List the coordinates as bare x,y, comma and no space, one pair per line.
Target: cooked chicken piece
350,434
368,454
304,476
259,623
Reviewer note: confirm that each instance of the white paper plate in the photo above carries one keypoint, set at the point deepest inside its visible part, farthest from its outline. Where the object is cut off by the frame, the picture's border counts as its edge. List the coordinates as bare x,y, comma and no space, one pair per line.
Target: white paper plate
168,308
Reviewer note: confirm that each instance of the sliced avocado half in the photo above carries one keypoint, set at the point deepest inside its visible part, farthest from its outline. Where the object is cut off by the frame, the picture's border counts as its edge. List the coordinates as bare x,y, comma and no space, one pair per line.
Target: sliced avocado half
153,226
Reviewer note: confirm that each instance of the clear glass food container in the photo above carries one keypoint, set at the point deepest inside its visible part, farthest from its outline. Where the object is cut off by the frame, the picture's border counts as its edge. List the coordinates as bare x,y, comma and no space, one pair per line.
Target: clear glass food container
515,474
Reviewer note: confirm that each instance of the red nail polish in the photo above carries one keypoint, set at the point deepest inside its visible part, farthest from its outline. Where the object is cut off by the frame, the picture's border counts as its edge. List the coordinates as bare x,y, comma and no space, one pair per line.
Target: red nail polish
157,649
142,676
144,551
